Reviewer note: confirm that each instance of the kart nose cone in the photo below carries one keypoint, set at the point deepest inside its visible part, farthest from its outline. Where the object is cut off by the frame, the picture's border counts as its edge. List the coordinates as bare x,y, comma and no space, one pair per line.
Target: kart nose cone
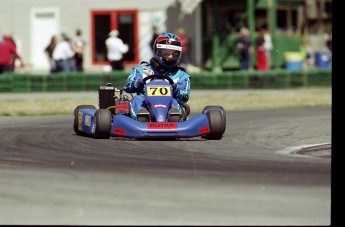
160,118
161,114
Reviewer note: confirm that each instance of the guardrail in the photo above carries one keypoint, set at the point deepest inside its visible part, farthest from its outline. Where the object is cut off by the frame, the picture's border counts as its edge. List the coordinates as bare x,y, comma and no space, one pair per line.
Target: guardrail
11,82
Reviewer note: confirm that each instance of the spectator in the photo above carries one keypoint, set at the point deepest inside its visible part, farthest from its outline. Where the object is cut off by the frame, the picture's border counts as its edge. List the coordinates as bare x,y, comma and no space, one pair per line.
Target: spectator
261,58
79,46
329,43
245,49
154,36
115,48
8,54
63,55
306,53
180,32
49,52
267,45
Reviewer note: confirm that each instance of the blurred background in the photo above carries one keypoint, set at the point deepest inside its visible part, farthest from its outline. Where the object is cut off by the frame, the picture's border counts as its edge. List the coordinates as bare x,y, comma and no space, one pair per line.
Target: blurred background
301,30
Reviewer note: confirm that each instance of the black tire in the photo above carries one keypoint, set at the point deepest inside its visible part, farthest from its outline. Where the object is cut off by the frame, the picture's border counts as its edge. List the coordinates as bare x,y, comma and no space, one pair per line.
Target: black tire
76,116
215,120
102,124
186,110
221,109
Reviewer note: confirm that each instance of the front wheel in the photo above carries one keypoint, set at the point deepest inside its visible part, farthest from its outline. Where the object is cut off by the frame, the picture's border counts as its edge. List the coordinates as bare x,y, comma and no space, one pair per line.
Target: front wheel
102,123
218,108
217,124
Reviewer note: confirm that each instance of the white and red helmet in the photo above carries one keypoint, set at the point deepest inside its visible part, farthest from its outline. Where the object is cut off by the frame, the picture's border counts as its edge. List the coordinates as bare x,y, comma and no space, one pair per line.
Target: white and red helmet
167,44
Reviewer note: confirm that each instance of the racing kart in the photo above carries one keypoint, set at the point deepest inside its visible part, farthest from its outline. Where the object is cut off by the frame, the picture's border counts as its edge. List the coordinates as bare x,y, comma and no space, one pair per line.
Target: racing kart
113,117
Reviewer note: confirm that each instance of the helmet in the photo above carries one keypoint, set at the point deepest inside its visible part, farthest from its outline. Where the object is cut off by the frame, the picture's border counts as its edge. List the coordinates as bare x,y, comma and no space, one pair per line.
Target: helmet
167,50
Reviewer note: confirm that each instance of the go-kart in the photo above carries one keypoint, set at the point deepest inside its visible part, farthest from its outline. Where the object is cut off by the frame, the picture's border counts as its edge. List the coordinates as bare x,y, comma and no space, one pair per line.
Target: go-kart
113,117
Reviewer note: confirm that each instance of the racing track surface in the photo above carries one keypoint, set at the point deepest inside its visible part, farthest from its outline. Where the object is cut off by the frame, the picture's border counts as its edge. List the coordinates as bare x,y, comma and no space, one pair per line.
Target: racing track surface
49,175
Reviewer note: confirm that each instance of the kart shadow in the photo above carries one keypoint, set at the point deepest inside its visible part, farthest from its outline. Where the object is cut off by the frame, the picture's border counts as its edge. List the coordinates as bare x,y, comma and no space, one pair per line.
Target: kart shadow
144,139
158,139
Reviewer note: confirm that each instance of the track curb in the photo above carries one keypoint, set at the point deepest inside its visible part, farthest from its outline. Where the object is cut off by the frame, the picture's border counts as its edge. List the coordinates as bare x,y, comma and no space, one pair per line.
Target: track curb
323,150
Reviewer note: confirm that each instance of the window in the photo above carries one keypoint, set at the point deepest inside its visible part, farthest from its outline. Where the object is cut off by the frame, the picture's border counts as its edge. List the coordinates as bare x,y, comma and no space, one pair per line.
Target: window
125,21
287,20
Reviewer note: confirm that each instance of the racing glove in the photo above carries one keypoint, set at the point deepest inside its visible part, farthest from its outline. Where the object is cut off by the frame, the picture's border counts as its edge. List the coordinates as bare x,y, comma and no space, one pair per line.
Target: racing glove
184,98
175,90
139,84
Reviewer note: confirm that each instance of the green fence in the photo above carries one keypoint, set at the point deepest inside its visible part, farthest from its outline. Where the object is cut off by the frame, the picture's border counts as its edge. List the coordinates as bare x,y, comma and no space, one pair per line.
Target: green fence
207,80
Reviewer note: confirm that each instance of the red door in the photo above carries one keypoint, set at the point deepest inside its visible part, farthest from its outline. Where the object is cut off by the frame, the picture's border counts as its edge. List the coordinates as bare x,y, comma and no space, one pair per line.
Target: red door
126,22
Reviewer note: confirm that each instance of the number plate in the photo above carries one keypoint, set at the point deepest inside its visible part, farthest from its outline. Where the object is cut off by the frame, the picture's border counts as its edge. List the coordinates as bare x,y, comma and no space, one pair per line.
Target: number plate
158,91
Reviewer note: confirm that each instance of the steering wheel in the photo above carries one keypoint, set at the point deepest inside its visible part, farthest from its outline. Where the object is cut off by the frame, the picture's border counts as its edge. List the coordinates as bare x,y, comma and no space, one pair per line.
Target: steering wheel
164,77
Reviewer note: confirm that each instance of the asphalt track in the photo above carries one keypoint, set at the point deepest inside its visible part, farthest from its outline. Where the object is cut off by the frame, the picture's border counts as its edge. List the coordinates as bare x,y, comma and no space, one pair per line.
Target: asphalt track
50,176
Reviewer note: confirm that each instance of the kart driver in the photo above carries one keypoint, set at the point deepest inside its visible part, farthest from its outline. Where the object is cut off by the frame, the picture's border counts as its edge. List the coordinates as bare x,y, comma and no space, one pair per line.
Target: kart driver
167,50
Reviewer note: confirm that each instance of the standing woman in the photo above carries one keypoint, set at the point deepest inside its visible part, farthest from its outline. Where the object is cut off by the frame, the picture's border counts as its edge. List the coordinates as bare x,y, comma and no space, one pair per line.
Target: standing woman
49,52
261,57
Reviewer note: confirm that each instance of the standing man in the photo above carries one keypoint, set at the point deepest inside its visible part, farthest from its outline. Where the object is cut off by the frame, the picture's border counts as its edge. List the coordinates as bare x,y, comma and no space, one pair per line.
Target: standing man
79,46
244,48
154,37
115,48
63,55
180,32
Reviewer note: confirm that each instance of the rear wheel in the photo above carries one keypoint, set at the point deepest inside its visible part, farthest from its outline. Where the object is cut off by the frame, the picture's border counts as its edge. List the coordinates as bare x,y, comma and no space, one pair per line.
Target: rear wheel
217,124
102,123
76,118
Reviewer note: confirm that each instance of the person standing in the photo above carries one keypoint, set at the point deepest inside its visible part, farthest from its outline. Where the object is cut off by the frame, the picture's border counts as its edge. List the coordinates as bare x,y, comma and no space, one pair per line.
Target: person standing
328,43
115,50
79,44
261,58
245,49
268,45
63,55
8,54
154,37
49,52
180,32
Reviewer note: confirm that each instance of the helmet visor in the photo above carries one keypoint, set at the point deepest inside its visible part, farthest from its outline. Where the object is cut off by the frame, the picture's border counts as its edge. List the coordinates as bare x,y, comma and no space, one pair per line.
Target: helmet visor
169,52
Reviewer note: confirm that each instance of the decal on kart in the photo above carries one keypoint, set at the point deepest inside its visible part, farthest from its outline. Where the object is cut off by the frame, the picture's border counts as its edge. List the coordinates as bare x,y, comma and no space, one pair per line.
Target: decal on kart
204,130
119,131
87,120
160,106
123,106
158,91
162,125
80,120
106,88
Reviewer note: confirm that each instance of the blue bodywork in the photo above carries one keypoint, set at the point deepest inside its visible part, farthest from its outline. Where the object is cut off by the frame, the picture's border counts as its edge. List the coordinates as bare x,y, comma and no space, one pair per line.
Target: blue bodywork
158,96
128,127
86,118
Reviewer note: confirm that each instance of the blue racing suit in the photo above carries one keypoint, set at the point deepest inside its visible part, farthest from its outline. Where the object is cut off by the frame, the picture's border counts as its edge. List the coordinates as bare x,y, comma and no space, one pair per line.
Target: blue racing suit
144,69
